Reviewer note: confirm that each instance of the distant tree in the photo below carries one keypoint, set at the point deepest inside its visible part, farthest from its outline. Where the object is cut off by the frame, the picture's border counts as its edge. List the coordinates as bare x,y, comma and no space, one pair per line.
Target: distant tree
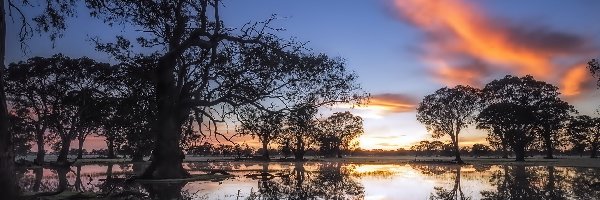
302,128
447,111
585,131
542,99
514,122
338,131
480,150
267,126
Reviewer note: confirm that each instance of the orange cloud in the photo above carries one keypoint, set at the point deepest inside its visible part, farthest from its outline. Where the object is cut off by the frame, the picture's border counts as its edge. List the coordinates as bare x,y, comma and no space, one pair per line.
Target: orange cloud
459,34
392,103
574,80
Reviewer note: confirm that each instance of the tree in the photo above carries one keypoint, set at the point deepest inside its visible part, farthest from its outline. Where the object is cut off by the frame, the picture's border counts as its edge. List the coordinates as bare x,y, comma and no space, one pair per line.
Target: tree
480,150
302,128
338,131
540,98
585,131
267,126
514,122
447,111
28,89
553,115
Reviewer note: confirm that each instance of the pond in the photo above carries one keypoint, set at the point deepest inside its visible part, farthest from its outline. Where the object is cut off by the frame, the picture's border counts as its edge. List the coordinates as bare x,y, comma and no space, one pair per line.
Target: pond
333,180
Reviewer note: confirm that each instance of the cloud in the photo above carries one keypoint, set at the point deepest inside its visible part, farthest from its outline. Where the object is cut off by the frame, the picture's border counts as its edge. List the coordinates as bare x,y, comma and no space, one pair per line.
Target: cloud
464,46
575,80
392,103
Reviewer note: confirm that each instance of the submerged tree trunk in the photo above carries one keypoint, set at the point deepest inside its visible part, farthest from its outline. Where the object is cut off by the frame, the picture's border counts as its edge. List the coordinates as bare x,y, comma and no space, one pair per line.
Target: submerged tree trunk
39,174
299,151
265,146
168,157
8,184
111,148
64,152
520,154
549,146
41,152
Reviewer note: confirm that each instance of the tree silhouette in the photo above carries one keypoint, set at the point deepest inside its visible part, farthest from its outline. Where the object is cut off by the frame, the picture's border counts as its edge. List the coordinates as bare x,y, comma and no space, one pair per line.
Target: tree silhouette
204,70
447,111
548,112
267,126
514,122
338,131
302,128
585,130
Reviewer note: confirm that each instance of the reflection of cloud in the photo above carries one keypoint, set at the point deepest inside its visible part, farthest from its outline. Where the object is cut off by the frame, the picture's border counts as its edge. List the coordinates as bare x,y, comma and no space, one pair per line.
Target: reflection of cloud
574,80
463,44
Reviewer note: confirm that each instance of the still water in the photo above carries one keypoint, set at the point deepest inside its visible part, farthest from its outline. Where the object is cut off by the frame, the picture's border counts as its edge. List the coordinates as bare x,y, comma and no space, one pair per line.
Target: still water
331,180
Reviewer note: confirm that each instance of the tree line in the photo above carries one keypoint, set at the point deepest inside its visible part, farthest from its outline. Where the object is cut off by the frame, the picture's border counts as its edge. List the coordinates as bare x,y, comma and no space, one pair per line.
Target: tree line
518,113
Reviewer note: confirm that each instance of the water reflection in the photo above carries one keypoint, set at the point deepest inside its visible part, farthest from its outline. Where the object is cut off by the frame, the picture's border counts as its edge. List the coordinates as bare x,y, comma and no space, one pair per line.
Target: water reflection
330,181
327,180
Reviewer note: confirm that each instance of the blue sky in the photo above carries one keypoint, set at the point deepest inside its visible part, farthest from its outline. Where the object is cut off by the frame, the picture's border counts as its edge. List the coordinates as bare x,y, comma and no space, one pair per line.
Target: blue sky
392,50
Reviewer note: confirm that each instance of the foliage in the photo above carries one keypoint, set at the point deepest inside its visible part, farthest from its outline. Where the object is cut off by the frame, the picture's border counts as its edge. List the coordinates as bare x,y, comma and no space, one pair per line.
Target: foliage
584,131
448,110
338,131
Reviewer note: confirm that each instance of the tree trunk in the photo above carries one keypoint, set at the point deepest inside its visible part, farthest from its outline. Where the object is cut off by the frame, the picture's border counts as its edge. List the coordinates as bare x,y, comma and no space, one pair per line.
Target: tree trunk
520,154
594,150
8,184
41,152
265,146
64,152
299,151
168,157
457,152
81,140
549,147
338,150
137,157
111,148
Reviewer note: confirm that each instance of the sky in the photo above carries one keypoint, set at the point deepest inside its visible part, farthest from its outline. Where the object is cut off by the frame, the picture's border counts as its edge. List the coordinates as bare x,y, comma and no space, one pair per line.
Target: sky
403,50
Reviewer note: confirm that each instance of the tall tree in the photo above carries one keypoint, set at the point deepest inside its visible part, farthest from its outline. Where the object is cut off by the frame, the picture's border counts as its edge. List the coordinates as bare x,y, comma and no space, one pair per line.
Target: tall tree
266,126
585,130
338,131
28,87
449,110
541,98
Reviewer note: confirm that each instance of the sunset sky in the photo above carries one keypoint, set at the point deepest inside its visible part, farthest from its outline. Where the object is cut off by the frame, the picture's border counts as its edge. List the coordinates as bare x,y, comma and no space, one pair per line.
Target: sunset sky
405,49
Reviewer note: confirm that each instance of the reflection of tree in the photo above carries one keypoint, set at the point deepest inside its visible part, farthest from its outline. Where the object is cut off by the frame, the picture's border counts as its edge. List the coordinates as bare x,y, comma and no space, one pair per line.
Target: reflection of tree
583,183
440,192
520,182
331,181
